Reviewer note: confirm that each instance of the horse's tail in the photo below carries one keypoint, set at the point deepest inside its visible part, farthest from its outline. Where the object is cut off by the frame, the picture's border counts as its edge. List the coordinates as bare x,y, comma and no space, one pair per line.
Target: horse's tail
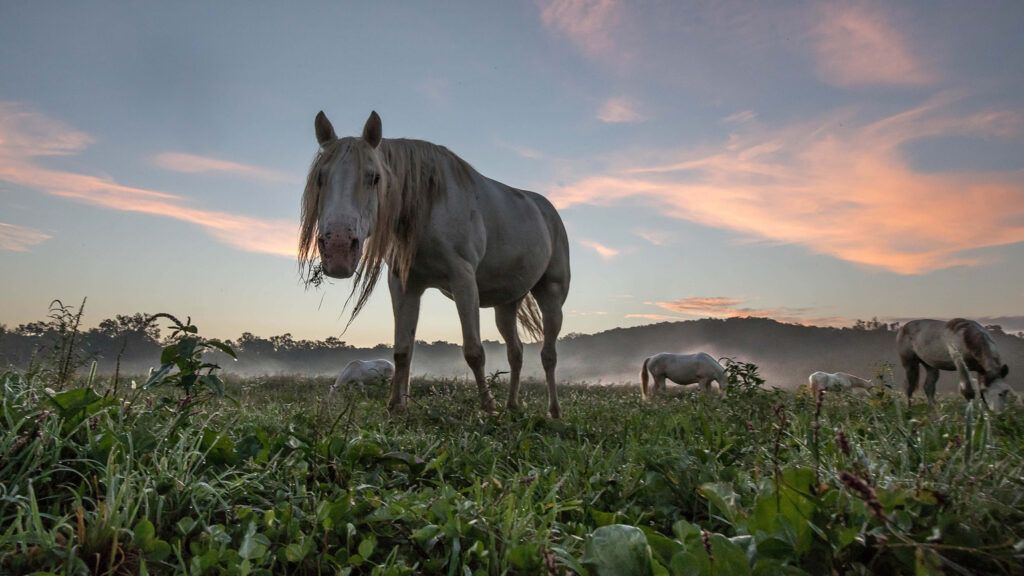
530,319
643,378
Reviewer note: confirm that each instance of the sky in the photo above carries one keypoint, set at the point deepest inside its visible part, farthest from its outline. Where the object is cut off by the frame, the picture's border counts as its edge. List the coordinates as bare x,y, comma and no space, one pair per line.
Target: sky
813,162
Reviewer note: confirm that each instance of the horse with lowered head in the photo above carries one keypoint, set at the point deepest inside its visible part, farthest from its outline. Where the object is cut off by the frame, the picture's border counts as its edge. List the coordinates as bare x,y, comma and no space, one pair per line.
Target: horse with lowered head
437,223
960,345
699,368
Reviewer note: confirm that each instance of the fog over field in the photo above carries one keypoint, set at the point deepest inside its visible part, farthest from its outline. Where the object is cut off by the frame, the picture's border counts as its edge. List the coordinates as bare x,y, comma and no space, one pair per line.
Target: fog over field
785,353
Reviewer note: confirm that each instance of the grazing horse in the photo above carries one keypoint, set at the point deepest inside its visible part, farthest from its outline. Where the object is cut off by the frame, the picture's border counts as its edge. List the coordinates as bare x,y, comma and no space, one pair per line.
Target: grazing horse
437,223
365,372
837,381
682,369
959,345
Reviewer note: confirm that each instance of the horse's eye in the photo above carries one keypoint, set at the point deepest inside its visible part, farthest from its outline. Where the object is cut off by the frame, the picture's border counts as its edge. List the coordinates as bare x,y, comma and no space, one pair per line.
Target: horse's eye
373,179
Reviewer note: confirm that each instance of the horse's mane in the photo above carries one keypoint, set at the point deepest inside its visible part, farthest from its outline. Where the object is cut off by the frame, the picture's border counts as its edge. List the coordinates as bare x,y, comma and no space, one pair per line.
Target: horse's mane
978,340
413,178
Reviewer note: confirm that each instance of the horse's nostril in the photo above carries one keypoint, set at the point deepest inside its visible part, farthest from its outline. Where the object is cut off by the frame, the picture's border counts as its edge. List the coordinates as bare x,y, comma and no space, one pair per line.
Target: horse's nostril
320,243
355,244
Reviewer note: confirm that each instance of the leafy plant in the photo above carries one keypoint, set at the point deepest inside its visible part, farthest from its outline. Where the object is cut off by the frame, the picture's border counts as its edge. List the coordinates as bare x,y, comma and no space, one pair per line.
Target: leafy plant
183,364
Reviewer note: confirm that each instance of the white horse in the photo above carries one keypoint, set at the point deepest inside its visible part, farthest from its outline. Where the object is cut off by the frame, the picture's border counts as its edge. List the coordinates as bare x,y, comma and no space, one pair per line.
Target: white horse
437,223
365,372
959,345
837,381
682,369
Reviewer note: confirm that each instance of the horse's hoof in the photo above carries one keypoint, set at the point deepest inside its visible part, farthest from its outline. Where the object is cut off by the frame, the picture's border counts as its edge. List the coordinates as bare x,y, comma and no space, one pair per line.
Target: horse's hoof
555,412
513,407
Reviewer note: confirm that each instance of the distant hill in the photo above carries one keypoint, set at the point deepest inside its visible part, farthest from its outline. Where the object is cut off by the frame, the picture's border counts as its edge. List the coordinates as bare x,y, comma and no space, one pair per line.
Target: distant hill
786,353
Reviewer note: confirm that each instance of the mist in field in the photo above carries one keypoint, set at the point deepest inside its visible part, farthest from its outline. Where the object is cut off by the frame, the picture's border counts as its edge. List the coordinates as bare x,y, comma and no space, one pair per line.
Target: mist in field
785,353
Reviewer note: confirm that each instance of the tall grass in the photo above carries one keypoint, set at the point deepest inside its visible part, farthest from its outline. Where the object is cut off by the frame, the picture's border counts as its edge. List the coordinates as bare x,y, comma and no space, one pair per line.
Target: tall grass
284,477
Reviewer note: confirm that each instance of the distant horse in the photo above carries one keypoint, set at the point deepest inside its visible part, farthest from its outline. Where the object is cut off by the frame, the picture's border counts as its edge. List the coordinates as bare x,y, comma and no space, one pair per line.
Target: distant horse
836,381
959,345
365,372
682,369
437,223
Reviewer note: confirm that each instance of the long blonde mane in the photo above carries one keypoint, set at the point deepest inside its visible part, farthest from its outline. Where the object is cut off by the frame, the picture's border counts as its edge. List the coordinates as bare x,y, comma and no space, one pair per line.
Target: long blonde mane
414,175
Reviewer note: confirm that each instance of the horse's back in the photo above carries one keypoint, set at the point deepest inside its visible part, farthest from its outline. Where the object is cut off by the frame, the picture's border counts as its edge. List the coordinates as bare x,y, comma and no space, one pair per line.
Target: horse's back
923,340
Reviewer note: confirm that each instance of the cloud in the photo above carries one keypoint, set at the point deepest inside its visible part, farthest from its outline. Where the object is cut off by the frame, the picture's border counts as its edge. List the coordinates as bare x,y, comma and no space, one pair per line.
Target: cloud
14,238
438,90
619,111
27,136
741,117
589,24
857,46
656,317
195,164
727,307
522,151
838,185
656,237
603,251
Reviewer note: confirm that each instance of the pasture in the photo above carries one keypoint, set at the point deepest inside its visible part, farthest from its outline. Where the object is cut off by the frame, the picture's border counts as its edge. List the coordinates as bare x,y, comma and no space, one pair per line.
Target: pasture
276,476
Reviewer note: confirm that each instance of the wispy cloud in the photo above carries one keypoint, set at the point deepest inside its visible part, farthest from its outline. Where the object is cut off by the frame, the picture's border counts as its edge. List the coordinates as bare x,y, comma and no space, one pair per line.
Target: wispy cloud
26,137
589,24
195,164
741,117
839,185
522,151
727,307
856,45
436,89
14,238
656,237
655,317
603,251
619,111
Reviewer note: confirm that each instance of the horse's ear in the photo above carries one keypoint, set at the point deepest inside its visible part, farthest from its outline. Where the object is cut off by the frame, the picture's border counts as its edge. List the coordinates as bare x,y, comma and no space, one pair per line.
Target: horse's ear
372,131
324,130
1004,371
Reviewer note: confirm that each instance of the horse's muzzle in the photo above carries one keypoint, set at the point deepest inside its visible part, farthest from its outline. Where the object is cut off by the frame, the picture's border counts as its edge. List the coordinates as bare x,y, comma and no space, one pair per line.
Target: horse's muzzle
339,254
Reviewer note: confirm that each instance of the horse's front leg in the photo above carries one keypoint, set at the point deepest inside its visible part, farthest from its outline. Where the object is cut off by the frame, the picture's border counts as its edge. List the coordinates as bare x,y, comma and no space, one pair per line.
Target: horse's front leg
467,300
505,318
406,307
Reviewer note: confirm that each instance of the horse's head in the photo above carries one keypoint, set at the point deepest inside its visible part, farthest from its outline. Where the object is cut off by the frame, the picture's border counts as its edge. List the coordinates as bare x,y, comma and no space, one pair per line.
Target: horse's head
341,199
994,389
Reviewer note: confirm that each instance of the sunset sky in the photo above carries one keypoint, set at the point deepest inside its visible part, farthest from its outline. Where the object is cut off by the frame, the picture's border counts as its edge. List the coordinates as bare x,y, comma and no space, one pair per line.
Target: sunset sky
810,162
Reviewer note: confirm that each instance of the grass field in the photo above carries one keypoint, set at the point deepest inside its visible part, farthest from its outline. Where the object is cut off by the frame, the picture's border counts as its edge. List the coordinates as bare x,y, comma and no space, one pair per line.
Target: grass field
280,477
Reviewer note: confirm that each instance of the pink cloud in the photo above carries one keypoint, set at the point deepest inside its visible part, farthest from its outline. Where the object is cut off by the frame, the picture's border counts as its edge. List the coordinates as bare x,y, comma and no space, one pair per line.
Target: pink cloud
838,185
27,136
856,45
605,252
727,307
195,164
619,111
589,24
741,117
14,238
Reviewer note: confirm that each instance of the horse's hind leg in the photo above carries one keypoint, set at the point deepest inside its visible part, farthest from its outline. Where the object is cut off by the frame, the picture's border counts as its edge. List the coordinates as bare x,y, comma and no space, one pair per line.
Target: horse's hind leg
505,318
550,296
910,366
931,376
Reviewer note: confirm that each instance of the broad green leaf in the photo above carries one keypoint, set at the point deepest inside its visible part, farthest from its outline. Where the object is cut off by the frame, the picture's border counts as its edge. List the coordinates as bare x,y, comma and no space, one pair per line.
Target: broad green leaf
722,497
618,550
